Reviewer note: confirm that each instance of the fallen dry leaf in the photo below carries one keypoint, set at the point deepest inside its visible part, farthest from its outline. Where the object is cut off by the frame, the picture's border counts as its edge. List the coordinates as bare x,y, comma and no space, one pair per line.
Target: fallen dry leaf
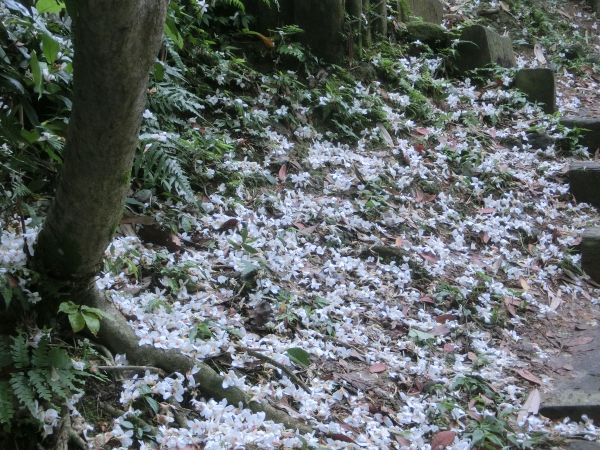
228,224
378,368
526,374
282,173
442,440
531,406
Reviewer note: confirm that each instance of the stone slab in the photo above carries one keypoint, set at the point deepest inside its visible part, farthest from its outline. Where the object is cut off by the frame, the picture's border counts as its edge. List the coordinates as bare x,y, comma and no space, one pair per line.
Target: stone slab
590,135
584,181
428,10
539,86
590,256
481,46
580,395
429,33
571,403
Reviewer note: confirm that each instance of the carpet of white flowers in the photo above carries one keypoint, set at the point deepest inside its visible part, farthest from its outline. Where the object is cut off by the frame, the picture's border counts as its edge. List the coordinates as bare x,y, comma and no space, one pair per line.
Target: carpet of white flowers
406,266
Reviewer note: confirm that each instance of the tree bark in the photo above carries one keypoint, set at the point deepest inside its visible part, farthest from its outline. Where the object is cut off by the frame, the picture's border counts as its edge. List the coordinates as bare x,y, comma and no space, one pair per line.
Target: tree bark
380,19
116,43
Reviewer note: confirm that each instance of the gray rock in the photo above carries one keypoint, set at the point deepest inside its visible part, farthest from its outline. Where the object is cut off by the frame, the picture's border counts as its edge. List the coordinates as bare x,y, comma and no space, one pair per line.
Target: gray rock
428,10
481,46
539,86
590,136
584,181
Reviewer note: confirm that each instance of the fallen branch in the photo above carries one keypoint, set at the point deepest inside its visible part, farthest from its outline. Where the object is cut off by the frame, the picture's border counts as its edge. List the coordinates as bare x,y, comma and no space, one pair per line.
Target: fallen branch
119,337
129,369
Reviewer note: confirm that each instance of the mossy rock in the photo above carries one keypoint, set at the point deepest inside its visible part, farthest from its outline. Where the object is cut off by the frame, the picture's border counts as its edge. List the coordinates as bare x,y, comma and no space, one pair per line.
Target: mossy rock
429,33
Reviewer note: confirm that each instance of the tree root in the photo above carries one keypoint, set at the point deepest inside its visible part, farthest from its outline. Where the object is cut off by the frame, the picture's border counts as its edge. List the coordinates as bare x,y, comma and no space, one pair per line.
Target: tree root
118,336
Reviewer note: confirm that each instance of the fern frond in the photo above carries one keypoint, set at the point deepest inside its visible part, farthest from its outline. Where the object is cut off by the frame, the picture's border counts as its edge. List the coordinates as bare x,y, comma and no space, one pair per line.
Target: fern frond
39,356
157,166
7,403
20,352
23,391
39,381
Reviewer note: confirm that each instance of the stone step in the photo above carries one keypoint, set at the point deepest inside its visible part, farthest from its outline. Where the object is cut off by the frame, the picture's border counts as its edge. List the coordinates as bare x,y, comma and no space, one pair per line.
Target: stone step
538,85
480,46
590,126
590,253
584,180
579,444
572,403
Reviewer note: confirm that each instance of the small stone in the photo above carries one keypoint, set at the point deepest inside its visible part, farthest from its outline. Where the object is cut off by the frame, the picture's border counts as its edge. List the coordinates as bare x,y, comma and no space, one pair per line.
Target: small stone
538,85
481,46
540,140
584,181
429,10
590,130
429,33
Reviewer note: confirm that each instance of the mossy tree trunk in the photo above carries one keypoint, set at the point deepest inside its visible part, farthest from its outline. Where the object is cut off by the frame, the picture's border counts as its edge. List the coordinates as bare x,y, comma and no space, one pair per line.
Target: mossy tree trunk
116,43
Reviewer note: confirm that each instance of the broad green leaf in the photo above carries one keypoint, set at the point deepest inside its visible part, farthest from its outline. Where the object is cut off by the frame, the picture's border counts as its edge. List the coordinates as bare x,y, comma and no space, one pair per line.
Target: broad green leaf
50,47
77,322
299,356
95,311
49,6
92,321
68,308
154,406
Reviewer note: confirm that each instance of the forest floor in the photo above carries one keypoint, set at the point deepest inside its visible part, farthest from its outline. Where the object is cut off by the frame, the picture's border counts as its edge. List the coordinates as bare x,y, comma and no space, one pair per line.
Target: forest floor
421,284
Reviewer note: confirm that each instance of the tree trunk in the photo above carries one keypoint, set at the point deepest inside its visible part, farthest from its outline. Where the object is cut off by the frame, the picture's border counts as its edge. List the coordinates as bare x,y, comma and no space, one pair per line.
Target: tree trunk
367,36
380,19
116,43
354,10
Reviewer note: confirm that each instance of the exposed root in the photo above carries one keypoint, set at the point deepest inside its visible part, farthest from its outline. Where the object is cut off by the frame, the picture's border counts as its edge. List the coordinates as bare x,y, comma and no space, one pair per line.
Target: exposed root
118,336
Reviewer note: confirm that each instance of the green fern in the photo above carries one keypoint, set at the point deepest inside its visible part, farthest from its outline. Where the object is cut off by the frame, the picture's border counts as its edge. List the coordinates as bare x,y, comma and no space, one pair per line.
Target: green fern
32,376
157,165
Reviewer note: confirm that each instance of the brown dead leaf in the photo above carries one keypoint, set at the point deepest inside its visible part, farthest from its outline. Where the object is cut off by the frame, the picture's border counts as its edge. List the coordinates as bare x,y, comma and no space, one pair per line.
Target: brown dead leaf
378,368
443,318
342,437
442,439
422,197
486,210
154,234
524,284
449,348
229,224
427,299
282,173
526,374
440,330
429,257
